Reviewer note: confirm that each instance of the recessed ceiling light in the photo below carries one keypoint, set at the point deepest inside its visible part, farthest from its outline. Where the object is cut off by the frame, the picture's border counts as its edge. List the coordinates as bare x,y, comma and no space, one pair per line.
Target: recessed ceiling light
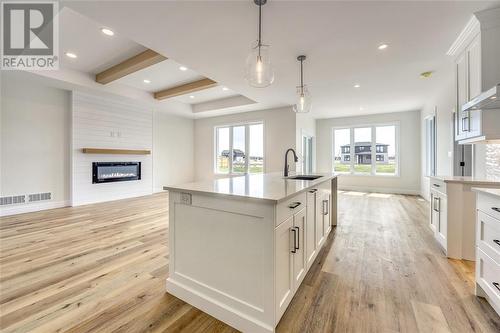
382,46
146,81
493,97
107,32
361,108
70,55
225,88
357,85
183,68
191,96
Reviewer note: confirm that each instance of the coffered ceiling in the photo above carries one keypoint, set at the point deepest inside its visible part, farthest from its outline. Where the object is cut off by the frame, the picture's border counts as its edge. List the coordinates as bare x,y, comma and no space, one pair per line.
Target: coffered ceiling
340,39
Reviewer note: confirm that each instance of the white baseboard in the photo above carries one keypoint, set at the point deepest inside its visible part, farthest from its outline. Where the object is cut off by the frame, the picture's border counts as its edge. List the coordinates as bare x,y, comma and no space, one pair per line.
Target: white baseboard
379,190
216,309
33,207
158,189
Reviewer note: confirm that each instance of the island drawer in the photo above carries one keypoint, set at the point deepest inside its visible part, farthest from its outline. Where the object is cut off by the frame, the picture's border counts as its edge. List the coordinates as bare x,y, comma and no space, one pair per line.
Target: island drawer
488,235
289,207
489,204
438,185
488,276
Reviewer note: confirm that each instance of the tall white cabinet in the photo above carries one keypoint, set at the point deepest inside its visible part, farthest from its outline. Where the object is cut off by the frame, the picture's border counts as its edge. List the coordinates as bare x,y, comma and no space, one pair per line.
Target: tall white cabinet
476,52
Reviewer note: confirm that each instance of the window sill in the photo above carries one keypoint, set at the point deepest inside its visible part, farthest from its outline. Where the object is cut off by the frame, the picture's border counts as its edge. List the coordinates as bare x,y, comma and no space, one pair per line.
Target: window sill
368,175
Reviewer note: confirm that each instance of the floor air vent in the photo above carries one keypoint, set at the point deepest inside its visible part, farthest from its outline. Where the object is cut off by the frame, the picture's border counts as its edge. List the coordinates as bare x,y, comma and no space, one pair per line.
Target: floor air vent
21,199
13,200
39,196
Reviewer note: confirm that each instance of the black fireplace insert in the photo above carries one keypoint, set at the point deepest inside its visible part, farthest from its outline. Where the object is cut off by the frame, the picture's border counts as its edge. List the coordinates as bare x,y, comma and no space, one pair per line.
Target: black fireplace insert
107,172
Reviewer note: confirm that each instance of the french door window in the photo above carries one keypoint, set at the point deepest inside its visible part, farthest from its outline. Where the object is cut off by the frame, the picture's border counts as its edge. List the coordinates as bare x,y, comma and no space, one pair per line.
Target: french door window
239,149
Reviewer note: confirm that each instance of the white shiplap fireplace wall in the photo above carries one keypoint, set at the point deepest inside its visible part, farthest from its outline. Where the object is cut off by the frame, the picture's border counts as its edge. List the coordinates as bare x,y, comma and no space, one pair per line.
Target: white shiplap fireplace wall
104,122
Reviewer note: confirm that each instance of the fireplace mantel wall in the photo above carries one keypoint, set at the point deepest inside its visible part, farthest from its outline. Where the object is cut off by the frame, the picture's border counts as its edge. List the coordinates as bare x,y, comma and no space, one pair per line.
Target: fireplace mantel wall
102,122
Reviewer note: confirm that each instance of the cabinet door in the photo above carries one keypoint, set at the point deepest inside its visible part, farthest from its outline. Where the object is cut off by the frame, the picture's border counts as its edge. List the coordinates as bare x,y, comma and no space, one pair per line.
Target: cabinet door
284,269
320,235
434,215
299,257
475,123
311,227
326,214
441,230
462,97
474,67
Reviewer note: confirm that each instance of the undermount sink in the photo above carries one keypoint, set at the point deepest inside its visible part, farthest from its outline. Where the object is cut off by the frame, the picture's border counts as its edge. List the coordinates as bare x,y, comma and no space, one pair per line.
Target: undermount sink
304,177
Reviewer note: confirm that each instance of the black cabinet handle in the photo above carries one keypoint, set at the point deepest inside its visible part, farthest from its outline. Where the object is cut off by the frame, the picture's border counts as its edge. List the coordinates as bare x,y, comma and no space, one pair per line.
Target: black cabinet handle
294,240
294,205
436,185
496,285
313,191
298,238
496,209
496,241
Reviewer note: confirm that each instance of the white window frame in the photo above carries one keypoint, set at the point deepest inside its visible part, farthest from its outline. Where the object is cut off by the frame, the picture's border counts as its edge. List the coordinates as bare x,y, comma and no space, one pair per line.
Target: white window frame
430,145
373,127
247,147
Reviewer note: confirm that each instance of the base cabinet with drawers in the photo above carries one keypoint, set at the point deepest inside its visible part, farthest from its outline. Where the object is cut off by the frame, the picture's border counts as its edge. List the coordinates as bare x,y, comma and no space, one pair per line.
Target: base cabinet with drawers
298,240
452,215
241,256
439,213
488,247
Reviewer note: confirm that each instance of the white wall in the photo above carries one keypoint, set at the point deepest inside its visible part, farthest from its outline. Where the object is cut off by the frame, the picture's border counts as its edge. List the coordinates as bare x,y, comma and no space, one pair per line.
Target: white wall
36,137
408,181
279,135
305,124
442,105
35,132
173,153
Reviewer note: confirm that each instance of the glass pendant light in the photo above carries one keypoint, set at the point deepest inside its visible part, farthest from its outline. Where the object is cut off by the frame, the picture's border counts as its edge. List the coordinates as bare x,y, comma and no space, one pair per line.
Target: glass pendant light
303,103
259,72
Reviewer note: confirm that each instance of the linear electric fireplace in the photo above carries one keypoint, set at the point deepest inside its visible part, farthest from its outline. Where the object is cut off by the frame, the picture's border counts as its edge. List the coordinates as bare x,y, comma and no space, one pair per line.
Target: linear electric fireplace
107,172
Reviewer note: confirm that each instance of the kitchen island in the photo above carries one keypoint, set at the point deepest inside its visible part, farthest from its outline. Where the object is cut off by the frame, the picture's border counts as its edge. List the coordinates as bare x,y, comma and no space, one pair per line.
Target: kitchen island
240,247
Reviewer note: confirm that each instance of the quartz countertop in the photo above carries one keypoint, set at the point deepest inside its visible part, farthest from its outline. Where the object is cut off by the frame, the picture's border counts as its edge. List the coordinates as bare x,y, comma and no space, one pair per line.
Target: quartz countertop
492,191
467,180
271,187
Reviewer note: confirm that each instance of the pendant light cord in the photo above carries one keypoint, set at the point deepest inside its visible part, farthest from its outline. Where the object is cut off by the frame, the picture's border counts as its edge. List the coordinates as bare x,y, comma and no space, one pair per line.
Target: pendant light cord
301,78
260,24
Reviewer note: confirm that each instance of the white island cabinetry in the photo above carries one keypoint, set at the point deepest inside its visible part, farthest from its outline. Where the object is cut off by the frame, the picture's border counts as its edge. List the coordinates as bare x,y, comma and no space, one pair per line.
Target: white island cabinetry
240,247
488,246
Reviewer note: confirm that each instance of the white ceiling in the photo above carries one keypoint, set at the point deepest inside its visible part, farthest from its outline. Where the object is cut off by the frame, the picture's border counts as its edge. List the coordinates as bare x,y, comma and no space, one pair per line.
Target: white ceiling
95,51
340,39
163,75
205,95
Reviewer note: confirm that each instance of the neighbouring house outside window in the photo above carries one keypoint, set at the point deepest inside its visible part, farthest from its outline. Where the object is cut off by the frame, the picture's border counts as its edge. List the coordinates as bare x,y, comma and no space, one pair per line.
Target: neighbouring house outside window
239,149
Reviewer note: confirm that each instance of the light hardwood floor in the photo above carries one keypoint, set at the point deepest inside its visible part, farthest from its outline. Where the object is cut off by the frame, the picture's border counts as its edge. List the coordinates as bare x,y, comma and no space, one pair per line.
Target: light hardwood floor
102,268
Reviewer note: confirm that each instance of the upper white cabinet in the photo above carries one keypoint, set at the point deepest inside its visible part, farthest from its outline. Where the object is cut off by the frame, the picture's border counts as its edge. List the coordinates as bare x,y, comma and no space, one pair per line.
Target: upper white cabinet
476,52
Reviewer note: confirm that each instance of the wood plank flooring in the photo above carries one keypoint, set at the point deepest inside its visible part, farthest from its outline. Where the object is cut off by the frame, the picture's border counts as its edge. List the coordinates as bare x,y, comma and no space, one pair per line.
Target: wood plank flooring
102,268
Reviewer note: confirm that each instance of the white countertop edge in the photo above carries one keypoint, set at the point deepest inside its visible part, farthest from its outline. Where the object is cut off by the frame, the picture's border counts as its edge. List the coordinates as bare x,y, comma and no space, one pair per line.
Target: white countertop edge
490,191
466,180
309,185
